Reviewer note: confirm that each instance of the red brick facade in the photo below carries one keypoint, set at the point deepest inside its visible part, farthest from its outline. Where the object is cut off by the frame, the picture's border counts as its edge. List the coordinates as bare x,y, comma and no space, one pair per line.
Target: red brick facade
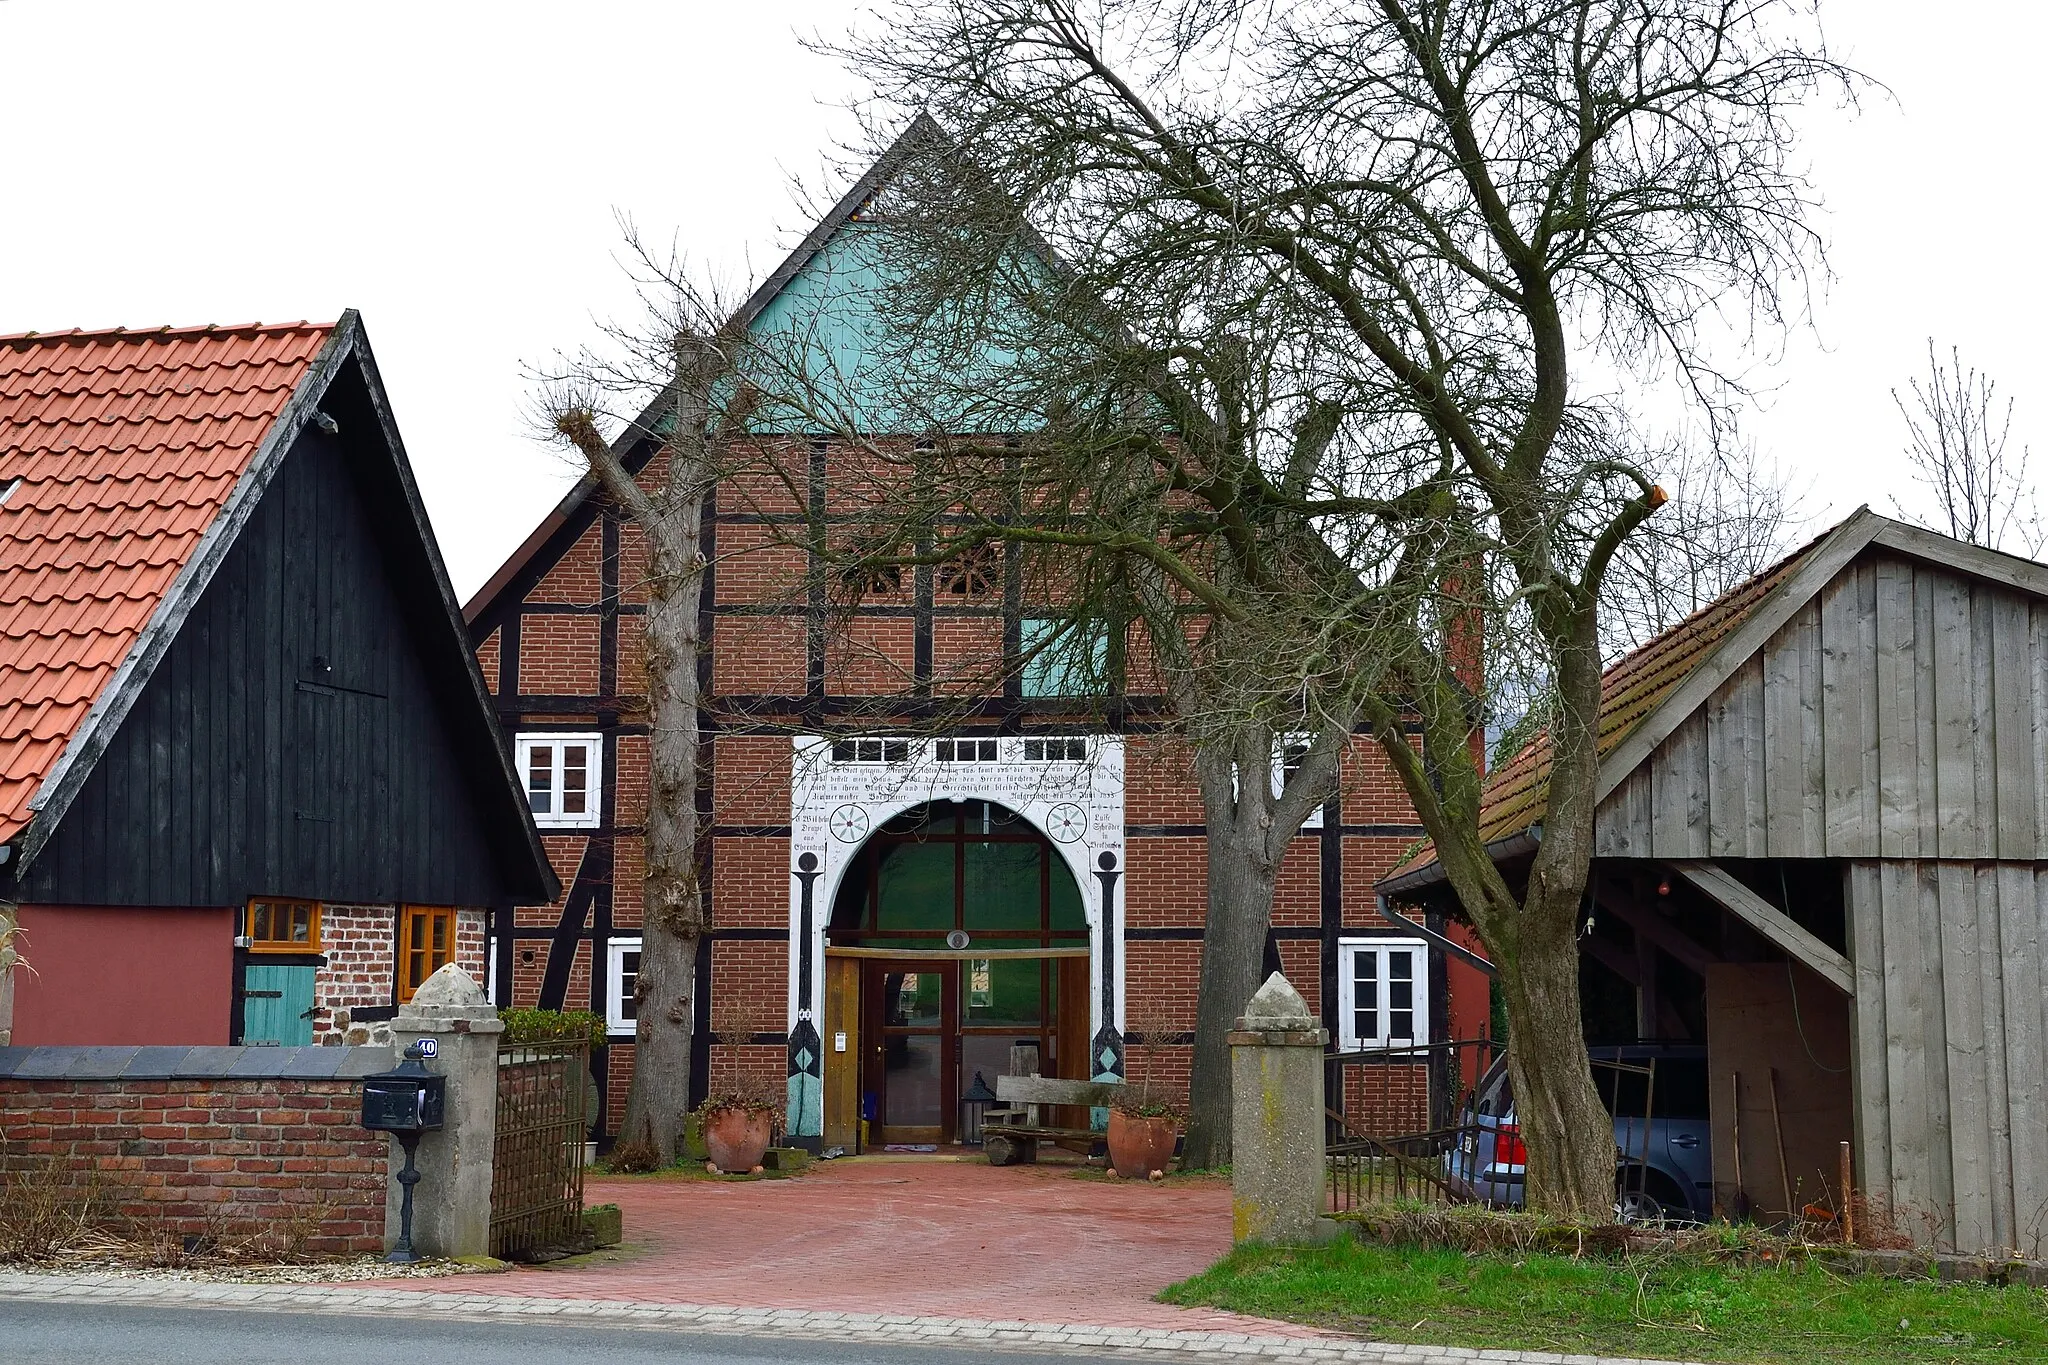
557,632
355,992
225,1159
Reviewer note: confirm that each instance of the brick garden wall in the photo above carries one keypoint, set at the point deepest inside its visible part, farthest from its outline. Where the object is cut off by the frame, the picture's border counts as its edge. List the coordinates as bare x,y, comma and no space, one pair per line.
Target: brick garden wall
188,1156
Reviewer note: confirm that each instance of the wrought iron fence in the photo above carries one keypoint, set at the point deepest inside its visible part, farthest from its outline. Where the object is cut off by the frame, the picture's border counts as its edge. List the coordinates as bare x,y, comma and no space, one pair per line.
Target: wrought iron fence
1392,1116
537,1159
1402,1124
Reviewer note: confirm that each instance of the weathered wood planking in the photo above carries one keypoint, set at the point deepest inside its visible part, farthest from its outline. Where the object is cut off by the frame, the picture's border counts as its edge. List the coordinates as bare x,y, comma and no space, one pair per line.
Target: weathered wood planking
1903,712
1951,1069
1863,894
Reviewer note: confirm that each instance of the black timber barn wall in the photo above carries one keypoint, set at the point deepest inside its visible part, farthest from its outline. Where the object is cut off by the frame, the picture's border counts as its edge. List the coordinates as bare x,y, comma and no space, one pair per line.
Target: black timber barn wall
295,740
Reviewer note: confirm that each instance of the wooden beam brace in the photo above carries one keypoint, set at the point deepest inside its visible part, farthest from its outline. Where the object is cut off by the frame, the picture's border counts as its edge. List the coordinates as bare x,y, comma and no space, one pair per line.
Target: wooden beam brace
1718,886
1615,959
1690,954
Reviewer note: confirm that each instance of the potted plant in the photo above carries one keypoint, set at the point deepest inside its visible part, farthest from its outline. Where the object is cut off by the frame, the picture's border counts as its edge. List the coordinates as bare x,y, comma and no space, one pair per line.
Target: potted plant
742,1107
1144,1123
739,1123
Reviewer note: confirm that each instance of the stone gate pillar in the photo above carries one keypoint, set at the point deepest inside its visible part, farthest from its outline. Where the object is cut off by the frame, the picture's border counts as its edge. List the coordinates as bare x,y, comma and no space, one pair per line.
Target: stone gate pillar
1276,1121
451,1213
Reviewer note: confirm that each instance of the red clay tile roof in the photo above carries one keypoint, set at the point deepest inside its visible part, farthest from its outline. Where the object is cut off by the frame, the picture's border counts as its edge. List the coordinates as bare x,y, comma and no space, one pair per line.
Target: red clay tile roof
126,446
1517,792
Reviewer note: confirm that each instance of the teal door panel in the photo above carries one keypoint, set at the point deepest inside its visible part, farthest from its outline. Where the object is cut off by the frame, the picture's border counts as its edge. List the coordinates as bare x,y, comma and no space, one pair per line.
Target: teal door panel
277,1005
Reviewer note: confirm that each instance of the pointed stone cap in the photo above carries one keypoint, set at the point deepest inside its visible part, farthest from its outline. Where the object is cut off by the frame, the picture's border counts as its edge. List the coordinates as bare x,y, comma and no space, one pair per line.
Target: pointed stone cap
1277,1005
450,986
449,1000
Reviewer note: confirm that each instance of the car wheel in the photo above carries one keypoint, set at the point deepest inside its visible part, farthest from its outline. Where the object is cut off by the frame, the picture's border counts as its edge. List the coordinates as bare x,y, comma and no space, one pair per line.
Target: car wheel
1634,1206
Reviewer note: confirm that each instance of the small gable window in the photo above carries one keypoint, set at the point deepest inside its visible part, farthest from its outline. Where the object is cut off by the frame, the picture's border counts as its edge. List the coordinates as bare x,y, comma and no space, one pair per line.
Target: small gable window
561,775
279,926
426,944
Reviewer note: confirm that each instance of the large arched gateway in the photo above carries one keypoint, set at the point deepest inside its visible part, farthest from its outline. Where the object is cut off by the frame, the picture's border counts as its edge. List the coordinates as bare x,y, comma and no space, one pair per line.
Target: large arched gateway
957,934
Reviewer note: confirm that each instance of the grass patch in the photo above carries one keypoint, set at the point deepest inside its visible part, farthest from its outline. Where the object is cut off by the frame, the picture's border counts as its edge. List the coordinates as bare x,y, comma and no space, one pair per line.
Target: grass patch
1670,1307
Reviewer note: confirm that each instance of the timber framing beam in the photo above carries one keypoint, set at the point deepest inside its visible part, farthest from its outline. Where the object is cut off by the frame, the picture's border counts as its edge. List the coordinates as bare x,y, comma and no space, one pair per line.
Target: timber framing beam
1774,924
1689,954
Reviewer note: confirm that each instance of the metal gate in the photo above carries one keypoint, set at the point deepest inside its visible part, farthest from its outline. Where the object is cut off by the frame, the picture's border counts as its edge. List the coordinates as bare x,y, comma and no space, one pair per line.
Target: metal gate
537,1159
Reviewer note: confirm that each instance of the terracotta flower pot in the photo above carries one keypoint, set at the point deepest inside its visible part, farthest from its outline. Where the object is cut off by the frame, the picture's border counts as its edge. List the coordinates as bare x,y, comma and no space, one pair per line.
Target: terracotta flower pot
1140,1146
736,1139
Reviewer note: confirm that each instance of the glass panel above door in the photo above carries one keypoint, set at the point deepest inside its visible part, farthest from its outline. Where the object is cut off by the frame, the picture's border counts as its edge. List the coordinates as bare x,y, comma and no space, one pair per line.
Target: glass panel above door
913,999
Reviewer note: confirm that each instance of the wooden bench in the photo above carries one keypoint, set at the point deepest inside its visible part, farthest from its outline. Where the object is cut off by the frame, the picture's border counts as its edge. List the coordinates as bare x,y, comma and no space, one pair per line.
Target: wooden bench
1008,1142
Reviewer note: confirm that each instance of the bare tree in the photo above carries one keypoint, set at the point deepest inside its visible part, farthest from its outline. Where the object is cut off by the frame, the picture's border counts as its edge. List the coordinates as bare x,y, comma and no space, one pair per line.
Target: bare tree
1956,442
689,357
1430,217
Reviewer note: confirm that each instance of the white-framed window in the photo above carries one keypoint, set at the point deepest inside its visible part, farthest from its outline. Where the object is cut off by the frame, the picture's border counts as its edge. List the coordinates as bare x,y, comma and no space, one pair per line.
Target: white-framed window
623,957
563,778
1288,753
1382,992
875,750
1059,749
965,751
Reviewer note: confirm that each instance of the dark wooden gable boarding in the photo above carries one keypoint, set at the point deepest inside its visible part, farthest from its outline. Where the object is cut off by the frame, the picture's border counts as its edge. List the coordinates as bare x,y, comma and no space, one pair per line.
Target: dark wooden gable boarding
315,728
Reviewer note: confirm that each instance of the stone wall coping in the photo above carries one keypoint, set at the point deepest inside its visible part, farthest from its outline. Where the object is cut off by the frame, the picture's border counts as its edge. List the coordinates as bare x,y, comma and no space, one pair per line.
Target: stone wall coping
447,1019
65,1062
1257,1037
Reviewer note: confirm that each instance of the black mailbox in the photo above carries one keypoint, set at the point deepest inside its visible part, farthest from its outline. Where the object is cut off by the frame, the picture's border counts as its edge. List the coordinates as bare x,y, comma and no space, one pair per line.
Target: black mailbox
406,1099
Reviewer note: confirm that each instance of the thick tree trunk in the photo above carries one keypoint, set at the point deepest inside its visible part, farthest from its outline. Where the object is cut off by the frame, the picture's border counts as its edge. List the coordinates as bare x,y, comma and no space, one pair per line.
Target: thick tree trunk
1568,1132
674,914
1241,877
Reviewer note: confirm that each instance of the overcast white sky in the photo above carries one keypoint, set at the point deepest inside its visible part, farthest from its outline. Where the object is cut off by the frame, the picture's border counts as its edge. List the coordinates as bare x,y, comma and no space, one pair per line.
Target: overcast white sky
452,171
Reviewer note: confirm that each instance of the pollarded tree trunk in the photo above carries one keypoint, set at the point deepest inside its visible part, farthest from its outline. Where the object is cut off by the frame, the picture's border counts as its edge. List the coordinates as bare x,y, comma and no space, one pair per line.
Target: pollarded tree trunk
672,934
670,519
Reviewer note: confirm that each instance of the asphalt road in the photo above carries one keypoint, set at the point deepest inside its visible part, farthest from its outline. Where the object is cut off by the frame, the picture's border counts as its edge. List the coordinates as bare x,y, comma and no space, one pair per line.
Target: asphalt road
112,1334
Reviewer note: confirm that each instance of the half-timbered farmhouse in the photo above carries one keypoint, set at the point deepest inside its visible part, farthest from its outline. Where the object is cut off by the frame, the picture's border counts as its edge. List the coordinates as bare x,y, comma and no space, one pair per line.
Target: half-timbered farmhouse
895,909
251,789
1821,837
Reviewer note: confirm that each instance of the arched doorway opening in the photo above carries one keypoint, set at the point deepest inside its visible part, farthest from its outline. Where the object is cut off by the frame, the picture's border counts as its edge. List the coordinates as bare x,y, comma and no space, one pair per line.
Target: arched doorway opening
957,934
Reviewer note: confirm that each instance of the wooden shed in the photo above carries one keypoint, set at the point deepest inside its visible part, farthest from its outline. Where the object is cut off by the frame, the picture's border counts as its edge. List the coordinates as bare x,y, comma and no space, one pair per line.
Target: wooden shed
1820,847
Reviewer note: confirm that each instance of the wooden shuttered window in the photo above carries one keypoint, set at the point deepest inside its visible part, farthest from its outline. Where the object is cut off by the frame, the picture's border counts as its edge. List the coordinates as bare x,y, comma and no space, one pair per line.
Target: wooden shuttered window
426,943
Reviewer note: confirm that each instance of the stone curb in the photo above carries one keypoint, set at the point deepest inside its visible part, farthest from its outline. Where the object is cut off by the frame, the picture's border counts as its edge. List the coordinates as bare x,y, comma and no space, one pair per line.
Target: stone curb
1123,1343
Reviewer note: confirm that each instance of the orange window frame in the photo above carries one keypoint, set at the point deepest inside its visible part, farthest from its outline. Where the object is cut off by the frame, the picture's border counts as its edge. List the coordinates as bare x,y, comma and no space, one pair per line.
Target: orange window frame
426,943
270,922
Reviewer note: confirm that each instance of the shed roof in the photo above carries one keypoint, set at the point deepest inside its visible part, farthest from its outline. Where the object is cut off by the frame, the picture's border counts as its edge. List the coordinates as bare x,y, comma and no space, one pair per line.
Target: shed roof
1649,692
1630,690
118,449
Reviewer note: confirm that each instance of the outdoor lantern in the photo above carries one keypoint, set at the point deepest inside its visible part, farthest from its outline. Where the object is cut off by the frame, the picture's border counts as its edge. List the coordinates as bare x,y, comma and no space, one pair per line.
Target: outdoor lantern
405,1101
973,1105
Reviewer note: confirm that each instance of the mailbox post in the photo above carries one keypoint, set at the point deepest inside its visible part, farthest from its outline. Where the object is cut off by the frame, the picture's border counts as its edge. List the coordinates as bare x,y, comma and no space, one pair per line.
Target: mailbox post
405,1101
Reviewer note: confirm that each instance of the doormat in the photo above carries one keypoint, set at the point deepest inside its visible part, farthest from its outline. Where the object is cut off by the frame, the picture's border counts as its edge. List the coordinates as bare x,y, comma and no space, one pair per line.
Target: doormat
910,1146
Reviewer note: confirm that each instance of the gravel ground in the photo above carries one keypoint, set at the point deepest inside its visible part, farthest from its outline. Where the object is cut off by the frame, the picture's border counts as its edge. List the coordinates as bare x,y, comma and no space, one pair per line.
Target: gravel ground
255,1272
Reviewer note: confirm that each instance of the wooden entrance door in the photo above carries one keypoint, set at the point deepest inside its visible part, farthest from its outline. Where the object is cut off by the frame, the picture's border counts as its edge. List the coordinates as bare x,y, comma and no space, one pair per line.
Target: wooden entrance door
911,1033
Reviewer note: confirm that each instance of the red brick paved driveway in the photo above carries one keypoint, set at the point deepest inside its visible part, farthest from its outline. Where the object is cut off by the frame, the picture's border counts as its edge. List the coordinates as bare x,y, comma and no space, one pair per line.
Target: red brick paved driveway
929,1237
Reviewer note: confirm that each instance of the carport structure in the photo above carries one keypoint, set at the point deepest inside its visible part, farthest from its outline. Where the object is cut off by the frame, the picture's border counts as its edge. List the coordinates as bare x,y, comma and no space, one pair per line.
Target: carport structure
1820,845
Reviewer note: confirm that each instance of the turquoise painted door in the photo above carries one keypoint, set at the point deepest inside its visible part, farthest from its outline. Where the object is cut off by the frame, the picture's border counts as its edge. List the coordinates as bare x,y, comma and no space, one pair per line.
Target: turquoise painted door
277,1005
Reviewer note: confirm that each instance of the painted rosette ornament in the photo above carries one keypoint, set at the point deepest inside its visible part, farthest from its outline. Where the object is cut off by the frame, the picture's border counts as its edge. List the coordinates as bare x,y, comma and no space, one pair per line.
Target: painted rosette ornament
848,824
1066,822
